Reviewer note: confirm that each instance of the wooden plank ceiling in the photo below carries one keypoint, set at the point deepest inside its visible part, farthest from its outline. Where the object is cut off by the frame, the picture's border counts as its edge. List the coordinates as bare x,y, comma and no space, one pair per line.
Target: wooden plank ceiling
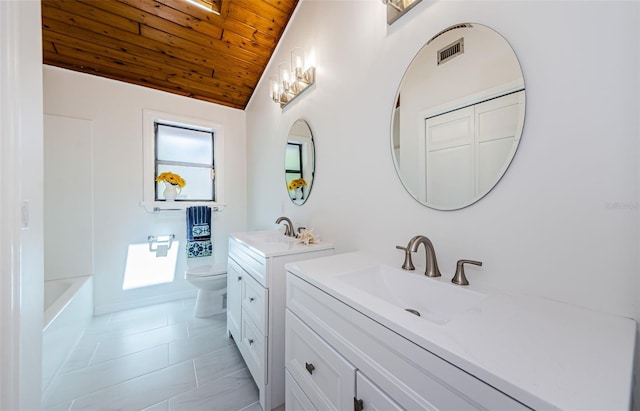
170,45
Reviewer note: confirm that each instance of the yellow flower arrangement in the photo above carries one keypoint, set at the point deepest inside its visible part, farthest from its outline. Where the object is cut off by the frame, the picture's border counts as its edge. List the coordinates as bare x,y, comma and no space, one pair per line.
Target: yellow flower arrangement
172,178
297,183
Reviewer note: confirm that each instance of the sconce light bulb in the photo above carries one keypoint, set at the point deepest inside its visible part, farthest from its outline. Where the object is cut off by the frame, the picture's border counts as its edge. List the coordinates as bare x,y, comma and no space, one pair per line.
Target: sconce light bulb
299,67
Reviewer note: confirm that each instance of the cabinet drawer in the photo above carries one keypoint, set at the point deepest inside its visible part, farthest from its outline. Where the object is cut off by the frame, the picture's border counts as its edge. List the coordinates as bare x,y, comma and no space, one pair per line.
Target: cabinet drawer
253,348
295,398
322,373
252,262
255,303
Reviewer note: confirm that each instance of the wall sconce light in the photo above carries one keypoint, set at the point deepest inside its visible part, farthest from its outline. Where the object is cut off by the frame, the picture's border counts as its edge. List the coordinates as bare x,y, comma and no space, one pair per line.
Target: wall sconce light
293,78
397,8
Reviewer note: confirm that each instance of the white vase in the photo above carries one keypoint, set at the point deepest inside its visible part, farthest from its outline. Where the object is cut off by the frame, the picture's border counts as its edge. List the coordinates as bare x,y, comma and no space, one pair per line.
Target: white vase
171,191
299,193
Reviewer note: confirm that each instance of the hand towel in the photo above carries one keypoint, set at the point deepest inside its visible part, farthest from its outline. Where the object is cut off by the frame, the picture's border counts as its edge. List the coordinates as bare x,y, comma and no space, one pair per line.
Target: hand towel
198,223
199,231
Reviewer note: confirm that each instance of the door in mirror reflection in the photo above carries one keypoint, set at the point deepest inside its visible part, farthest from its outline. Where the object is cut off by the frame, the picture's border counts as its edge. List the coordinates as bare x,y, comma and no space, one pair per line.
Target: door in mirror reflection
299,165
458,117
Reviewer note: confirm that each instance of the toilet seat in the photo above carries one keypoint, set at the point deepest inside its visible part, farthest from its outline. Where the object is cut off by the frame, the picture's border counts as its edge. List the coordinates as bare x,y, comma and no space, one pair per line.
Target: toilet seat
205,271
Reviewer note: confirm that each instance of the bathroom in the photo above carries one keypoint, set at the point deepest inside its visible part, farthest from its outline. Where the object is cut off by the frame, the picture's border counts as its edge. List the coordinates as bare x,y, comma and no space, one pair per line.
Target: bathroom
562,223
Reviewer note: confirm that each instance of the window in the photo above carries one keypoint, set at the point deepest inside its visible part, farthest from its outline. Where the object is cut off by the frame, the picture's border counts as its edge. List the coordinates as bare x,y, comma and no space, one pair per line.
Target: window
185,146
188,152
293,162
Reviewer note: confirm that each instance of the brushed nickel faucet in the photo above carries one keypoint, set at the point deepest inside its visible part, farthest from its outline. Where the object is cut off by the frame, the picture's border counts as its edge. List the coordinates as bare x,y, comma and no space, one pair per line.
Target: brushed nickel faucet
460,278
432,269
289,231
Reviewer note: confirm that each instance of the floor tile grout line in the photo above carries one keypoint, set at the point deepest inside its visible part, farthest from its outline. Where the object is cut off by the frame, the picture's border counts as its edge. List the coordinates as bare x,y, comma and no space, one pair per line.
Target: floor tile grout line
250,405
93,355
119,357
91,361
210,382
128,380
59,371
120,381
195,372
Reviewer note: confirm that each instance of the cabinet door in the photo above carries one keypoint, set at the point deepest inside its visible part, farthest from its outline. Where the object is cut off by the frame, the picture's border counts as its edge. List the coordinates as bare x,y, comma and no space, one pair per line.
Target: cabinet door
295,398
369,397
253,347
322,373
235,276
255,303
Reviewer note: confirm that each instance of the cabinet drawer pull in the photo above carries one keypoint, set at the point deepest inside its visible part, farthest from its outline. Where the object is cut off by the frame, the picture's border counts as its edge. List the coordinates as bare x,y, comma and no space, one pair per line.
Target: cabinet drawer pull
309,367
251,299
239,278
250,341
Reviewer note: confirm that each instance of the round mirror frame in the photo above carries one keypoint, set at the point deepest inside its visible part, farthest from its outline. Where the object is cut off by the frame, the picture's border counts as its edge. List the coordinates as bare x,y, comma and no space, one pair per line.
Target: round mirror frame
300,162
462,103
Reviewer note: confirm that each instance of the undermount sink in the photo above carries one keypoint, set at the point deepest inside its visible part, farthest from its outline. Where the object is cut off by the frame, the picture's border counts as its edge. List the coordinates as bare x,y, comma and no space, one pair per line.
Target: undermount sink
430,299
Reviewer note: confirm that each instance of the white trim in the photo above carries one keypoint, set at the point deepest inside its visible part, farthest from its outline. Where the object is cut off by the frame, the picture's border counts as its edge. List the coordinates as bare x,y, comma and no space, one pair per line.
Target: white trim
471,99
148,160
143,302
10,279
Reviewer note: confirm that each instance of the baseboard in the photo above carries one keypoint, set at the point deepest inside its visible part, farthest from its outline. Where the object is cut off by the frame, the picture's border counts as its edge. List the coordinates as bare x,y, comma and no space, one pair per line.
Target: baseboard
165,298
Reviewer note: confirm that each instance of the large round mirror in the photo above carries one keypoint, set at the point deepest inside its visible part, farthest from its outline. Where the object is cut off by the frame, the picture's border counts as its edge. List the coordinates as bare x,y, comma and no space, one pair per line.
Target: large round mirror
458,117
300,162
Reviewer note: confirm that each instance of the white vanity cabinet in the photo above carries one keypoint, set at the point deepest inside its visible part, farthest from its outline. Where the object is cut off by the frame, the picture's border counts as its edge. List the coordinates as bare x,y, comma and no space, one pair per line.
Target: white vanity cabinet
476,348
256,303
357,363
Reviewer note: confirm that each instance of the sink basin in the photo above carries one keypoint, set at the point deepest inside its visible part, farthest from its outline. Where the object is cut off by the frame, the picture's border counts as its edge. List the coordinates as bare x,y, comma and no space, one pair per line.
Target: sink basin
434,300
269,237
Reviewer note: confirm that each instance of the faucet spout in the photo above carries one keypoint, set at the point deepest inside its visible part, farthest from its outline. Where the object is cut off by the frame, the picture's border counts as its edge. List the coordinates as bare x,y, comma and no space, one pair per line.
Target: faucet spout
289,231
432,269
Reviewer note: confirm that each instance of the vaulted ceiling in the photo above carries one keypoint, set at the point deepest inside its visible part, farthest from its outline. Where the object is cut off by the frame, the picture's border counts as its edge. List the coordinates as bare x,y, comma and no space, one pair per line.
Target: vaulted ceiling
216,55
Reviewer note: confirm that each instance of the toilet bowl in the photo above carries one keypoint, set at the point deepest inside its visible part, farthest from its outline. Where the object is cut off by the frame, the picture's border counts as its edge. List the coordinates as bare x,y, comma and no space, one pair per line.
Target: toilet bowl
211,283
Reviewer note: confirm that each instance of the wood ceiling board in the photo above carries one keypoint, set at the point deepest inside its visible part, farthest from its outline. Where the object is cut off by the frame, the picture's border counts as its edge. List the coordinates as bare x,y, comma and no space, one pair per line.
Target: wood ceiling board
168,45
139,76
72,47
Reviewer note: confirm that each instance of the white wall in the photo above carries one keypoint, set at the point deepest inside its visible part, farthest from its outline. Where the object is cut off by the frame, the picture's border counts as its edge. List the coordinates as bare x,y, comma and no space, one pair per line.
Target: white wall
115,110
68,197
562,223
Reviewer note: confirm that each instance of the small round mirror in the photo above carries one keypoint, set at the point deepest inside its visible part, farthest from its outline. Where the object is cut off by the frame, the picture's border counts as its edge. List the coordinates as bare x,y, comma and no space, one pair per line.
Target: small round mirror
458,117
300,162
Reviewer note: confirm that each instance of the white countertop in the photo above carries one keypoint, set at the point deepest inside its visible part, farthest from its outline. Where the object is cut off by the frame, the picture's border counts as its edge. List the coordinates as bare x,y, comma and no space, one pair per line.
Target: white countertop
543,353
273,243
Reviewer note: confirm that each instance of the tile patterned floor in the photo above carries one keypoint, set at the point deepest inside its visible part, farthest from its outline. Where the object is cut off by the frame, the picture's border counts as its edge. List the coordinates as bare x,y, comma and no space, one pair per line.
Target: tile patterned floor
156,358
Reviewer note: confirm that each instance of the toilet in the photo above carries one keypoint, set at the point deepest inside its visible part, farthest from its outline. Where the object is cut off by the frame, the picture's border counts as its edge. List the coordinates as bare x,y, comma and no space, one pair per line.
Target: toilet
211,283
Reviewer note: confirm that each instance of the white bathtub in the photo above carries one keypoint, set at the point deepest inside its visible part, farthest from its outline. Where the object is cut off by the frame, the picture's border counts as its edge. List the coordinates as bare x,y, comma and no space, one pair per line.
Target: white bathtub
68,308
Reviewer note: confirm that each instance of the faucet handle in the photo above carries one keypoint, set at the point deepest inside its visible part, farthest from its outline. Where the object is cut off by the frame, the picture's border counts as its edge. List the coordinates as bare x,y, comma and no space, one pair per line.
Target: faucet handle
407,264
460,278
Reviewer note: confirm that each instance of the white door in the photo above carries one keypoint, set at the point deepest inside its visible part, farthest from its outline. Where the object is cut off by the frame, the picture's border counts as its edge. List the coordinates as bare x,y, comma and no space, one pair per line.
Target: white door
498,128
449,156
